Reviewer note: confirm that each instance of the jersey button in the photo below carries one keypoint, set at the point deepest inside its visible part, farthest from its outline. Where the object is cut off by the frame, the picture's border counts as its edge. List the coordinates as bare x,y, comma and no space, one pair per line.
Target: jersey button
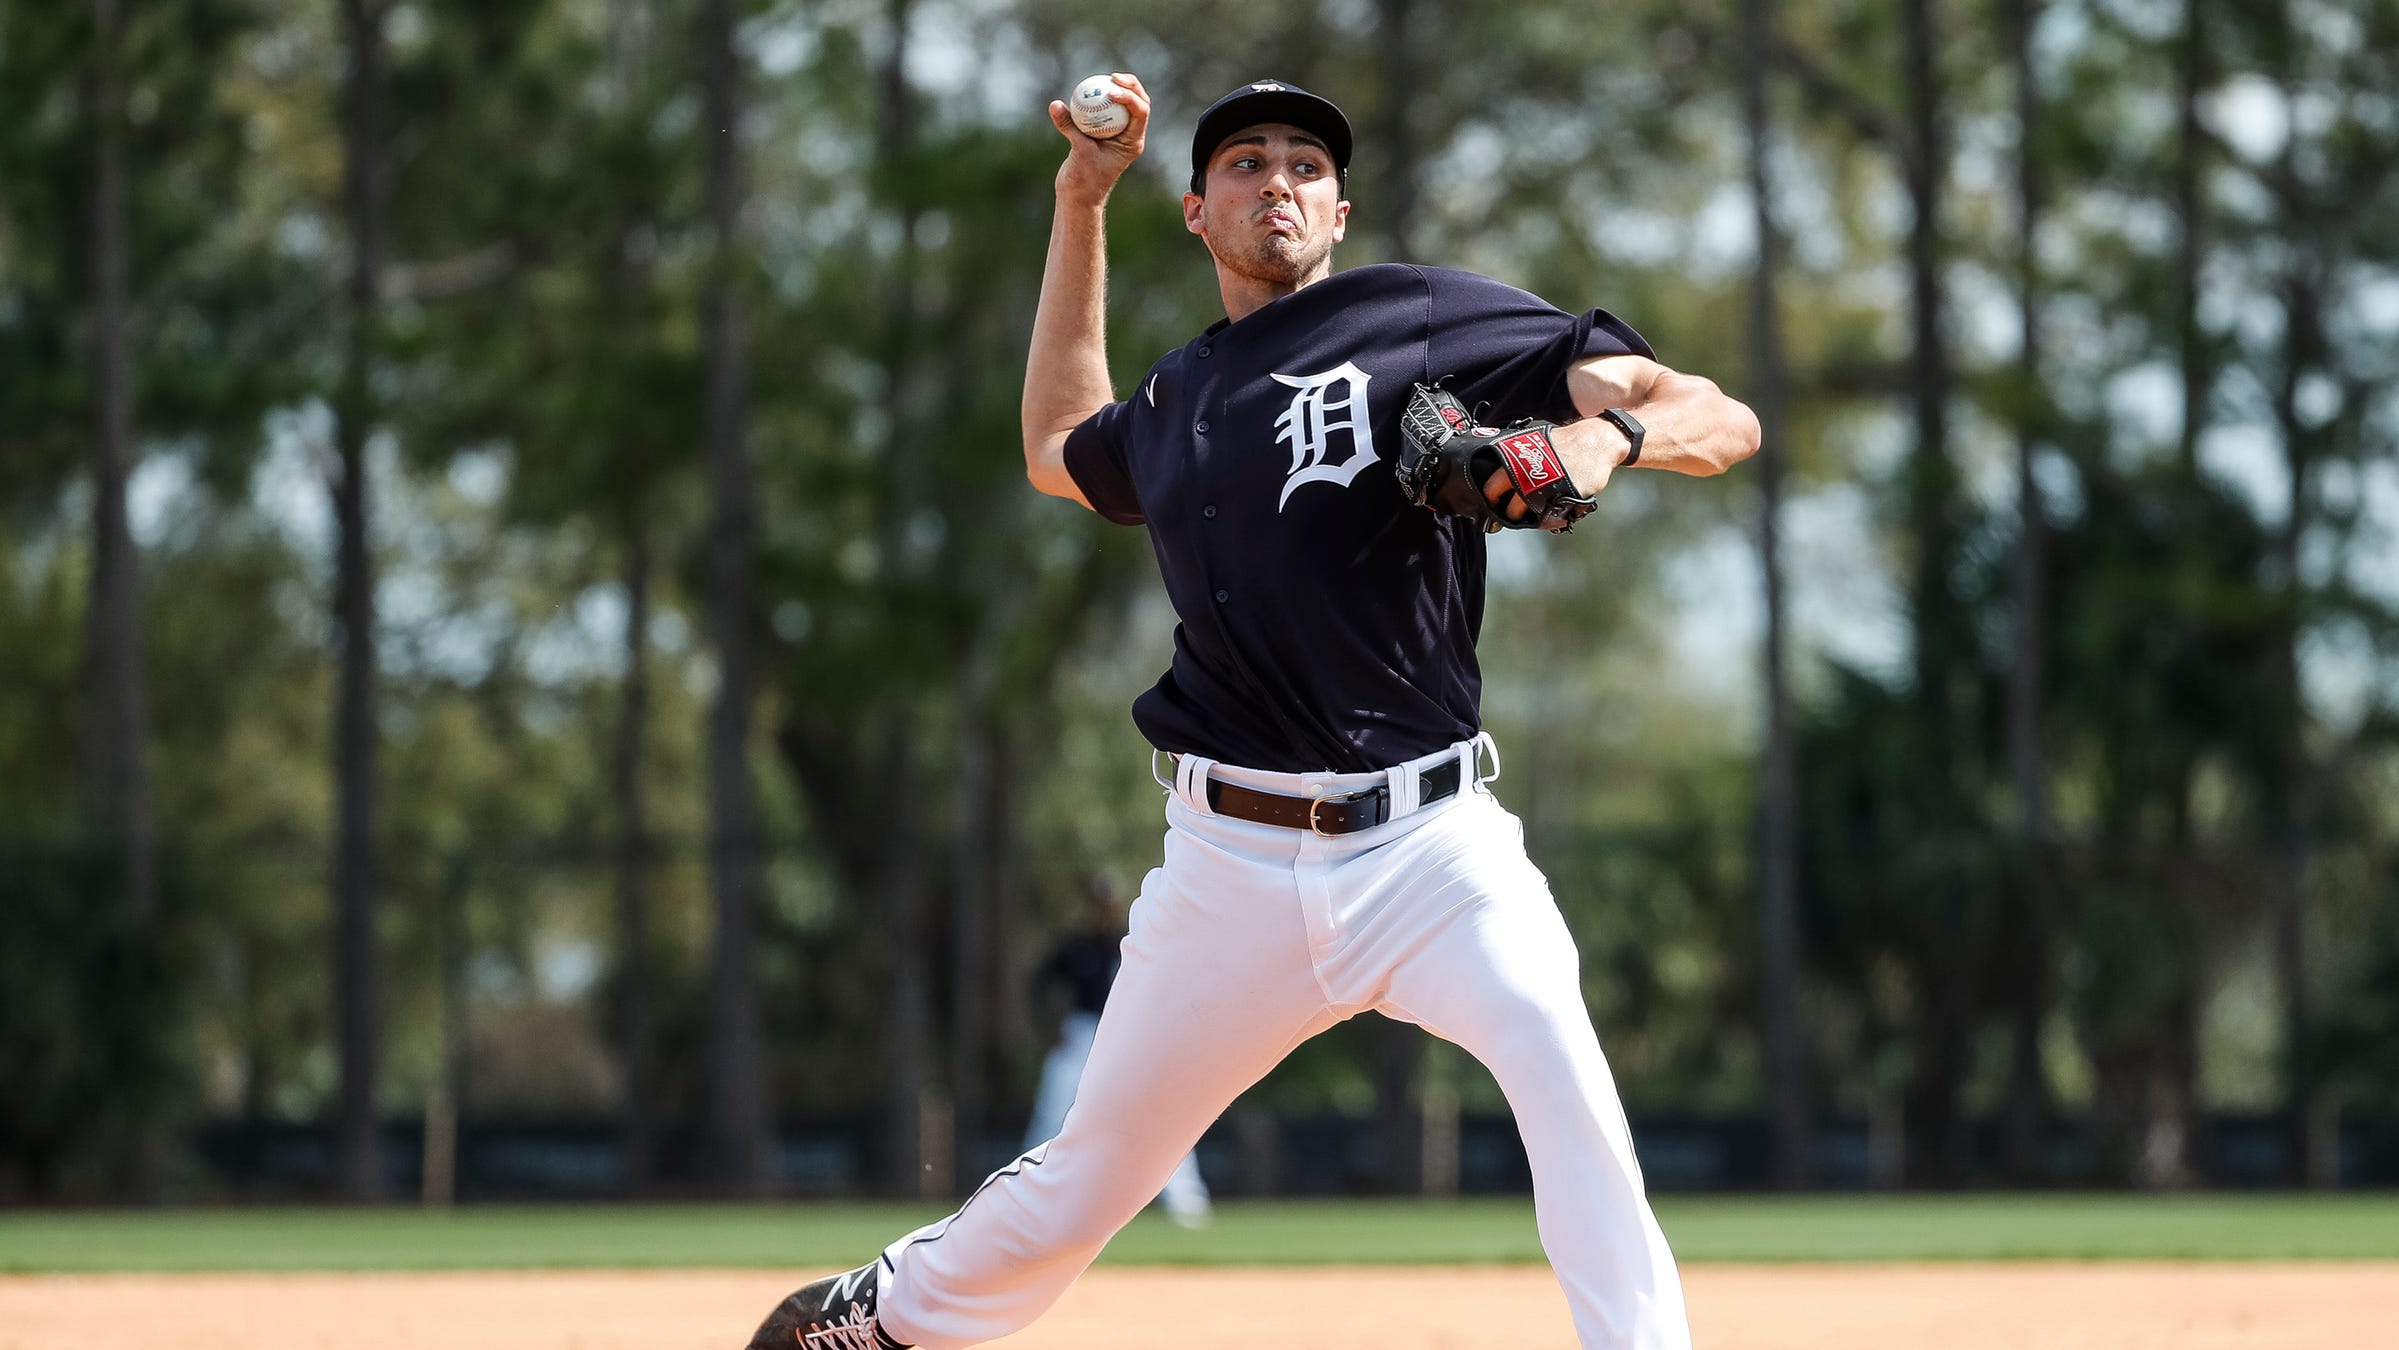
1209,512
1204,352
1222,596
1201,426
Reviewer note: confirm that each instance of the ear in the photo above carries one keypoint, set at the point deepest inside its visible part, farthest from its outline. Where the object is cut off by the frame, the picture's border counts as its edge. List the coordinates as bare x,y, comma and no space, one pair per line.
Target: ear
1194,207
1340,221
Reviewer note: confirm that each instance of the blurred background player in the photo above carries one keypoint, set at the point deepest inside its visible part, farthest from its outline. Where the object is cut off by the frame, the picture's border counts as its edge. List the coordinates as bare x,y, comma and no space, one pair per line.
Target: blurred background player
1080,970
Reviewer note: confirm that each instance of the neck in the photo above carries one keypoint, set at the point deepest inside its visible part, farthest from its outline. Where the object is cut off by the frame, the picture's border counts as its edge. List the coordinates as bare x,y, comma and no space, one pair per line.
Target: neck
1244,295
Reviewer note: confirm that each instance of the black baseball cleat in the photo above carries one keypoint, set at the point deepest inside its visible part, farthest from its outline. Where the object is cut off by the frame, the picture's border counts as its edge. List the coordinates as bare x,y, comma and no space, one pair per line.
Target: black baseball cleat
836,1313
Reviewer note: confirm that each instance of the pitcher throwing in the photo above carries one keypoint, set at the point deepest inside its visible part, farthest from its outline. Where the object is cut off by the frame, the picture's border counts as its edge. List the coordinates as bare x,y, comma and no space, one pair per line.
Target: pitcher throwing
1317,472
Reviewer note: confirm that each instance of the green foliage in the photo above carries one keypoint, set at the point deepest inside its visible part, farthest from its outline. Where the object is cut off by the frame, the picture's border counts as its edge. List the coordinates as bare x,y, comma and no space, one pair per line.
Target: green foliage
219,315
92,1009
2358,1055
924,613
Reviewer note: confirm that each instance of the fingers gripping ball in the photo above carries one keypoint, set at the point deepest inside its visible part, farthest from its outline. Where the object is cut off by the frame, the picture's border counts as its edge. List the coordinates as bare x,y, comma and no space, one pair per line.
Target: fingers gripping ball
1097,115
1499,477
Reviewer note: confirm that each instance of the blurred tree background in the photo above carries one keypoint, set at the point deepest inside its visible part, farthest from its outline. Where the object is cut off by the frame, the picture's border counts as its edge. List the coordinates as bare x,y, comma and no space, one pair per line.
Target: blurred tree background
518,599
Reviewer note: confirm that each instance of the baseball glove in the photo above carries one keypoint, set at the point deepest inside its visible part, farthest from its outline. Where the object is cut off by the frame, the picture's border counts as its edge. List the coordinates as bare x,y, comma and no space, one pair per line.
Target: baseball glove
1499,477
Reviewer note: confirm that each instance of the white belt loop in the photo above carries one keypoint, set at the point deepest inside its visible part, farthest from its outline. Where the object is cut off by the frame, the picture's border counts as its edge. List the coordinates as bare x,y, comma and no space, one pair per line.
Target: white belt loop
1405,789
1154,777
1483,742
1191,782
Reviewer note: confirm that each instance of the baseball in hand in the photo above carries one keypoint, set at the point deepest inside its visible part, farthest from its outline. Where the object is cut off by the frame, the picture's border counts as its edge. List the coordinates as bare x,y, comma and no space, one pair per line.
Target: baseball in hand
1097,115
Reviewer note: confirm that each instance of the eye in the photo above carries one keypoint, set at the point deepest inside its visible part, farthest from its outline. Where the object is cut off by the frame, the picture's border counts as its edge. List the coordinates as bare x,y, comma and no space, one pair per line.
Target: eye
1307,166
1246,163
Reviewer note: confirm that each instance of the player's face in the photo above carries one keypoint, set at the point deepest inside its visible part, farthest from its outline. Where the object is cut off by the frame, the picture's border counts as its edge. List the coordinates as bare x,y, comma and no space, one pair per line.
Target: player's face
1273,209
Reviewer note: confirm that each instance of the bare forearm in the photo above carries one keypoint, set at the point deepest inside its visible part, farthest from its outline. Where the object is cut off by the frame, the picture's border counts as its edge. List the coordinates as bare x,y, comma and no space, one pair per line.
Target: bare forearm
1690,426
1066,372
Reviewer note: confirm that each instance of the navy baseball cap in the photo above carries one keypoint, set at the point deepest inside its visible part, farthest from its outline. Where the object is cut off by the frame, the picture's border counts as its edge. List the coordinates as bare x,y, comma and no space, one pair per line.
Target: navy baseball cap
1269,101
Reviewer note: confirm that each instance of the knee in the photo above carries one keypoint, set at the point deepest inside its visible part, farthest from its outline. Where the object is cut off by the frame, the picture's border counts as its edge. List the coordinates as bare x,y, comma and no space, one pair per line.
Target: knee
1545,1054
1544,1028
1087,1191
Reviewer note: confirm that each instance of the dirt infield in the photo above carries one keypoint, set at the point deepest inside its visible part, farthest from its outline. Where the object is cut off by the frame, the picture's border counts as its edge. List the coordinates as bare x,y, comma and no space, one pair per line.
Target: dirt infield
2120,1306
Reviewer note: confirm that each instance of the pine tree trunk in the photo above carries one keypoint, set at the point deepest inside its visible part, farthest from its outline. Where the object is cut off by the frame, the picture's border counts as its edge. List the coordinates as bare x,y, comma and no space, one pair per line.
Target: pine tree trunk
636,1035
2303,343
1935,1129
738,1105
2028,1107
1406,1116
1931,477
1399,153
975,882
1780,1026
356,995
118,714
625,279
444,1102
2314,1150
119,711
1013,1042
918,1129
1943,646
2190,209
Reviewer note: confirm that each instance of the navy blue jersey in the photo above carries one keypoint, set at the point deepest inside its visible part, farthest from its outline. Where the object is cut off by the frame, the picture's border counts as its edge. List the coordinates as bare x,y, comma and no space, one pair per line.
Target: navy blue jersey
1327,623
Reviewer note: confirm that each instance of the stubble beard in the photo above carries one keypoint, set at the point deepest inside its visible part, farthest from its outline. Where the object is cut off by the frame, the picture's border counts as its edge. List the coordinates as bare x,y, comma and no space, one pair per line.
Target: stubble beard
1278,259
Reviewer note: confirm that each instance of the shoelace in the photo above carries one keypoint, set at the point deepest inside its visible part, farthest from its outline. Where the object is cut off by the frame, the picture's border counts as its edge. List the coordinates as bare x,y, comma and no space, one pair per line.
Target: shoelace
855,1331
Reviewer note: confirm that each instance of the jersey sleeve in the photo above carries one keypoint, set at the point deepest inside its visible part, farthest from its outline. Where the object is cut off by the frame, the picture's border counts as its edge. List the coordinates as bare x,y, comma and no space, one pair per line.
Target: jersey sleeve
1095,459
1505,352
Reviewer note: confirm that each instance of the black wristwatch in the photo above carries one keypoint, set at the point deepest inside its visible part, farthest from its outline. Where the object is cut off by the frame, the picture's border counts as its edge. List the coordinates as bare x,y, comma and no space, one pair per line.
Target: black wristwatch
1632,430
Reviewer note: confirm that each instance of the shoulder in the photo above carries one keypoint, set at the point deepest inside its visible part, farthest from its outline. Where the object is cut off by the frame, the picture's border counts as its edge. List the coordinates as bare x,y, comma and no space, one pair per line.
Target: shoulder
1173,361
1394,281
1156,387
1453,286
1383,277
1375,283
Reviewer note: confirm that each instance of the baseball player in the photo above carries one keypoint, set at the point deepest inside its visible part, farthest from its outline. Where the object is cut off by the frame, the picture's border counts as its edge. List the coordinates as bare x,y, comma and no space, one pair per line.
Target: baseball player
1083,967
1317,473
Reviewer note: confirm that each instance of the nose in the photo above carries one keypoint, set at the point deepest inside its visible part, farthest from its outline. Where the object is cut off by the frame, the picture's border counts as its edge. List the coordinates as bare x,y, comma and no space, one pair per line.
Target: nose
1277,187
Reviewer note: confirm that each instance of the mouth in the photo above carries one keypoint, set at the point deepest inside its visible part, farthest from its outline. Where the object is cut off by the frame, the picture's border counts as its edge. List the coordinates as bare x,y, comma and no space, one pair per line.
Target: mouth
1280,220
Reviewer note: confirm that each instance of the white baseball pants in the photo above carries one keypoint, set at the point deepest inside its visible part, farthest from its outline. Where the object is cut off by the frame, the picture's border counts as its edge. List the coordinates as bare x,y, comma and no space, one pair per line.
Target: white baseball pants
1186,1192
1250,939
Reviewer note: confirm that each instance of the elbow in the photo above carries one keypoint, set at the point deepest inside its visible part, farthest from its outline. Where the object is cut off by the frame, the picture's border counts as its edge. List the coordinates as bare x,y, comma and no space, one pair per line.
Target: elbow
1045,479
1735,430
1044,459
1738,433
1747,434
1045,468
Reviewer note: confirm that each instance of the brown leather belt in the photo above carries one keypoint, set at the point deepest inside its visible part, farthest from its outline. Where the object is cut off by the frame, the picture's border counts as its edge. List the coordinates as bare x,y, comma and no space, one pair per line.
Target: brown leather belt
1345,814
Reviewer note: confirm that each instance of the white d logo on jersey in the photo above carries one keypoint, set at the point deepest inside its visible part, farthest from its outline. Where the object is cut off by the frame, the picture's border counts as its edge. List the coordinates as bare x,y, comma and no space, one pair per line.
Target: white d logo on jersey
1308,425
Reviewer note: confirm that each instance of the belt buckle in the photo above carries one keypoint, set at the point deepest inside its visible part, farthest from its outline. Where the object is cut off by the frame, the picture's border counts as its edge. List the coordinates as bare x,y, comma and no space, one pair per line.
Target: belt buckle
1313,827
1382,794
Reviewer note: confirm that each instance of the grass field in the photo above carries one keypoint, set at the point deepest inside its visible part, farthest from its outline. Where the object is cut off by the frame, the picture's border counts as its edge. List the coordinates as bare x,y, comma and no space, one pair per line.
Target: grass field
1898,1228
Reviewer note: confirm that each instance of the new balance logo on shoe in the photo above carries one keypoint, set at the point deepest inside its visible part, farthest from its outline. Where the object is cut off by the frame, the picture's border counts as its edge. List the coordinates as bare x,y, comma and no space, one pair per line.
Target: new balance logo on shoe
835,1313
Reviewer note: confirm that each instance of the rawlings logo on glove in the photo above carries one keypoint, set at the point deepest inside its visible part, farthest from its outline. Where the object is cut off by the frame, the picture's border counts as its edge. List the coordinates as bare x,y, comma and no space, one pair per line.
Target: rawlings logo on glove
1509,478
